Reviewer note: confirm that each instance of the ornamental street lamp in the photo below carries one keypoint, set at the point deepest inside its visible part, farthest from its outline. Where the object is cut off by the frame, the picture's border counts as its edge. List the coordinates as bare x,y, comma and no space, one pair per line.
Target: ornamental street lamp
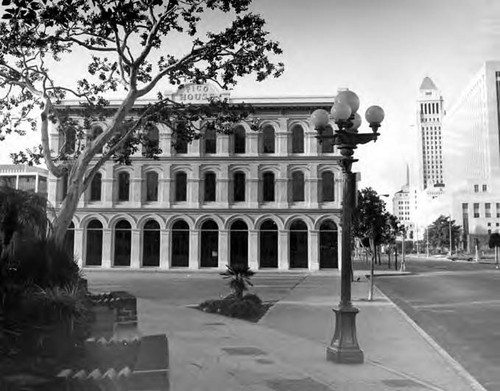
344,347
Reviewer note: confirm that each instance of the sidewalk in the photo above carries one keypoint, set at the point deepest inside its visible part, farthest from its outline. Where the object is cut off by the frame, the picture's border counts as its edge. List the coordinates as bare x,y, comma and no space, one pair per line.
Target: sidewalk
286,350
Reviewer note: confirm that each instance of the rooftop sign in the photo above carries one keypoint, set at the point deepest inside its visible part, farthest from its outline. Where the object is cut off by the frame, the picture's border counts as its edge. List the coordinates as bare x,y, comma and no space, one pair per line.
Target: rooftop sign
197,93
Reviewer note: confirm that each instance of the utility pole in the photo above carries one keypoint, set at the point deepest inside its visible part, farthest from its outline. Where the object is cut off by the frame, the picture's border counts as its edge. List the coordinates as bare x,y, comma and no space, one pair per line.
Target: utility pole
451,239
427,234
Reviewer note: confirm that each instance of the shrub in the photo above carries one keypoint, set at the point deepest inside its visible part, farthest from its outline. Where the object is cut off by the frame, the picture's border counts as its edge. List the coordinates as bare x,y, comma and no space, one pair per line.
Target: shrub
239,276
246,308
253,297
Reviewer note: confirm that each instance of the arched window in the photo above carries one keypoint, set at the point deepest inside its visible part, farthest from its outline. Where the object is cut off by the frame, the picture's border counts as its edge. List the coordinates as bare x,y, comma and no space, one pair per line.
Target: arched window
180,186
268,139
239,243
180,244
95,187
328,245
94,133
123,186
123,241
298,244
239,186
209,244
93,254
69,239
210,140
268,186
298,185
152,140
209,187
297,139
151,244
327,143
69,140
239,139
268,244
327,186
152,186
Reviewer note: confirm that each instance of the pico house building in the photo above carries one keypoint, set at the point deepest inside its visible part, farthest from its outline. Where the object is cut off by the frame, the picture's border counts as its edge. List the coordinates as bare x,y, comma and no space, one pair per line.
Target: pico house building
269,198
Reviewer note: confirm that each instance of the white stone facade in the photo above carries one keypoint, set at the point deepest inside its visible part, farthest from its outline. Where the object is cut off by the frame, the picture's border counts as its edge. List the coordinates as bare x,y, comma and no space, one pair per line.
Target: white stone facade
289,221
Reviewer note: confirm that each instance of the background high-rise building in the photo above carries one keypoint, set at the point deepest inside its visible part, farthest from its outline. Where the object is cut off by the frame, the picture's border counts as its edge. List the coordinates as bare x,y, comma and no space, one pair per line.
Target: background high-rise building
472,155
429,121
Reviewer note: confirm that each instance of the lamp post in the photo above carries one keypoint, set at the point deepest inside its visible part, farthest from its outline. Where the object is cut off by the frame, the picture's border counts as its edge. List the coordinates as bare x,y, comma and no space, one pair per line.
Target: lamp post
344,347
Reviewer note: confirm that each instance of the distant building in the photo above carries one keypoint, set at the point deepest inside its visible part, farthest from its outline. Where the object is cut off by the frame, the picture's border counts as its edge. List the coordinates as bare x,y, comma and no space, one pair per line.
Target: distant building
429,123
271,199
472,155
24,177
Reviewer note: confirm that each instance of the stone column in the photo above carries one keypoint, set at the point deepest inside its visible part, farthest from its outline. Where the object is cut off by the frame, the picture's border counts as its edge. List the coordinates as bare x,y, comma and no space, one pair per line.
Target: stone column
165,256
223,248
252,143
313,253
222,141
107,237
193,187
166,144
282,137
136,187
222,187
135,250
194,249
253,245
53,185
78,247
283,250
253,186
311,143
108,186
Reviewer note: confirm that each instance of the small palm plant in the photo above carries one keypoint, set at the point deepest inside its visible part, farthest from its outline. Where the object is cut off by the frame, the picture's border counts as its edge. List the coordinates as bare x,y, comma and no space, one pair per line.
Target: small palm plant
239,276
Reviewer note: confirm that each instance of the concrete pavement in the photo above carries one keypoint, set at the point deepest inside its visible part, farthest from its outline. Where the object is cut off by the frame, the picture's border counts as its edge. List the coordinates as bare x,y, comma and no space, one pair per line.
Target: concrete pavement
286,350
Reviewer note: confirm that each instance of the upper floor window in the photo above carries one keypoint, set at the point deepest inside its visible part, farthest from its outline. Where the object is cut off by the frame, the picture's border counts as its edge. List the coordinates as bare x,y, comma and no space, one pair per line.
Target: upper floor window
297,139
94,133
180,186
180,143
152,140
298,185
485,187
95,187
239,139
123,186
152,186
210,140
476,210
327,143
268,144
69,140
327,186
487,209
210,187
239,186
476,188
268,187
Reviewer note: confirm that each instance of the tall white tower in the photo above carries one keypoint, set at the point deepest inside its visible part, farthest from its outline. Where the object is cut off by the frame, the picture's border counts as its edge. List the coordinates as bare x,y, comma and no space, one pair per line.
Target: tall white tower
429,122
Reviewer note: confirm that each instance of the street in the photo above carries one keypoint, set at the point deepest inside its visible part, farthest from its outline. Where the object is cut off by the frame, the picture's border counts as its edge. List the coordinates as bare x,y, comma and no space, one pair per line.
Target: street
458,305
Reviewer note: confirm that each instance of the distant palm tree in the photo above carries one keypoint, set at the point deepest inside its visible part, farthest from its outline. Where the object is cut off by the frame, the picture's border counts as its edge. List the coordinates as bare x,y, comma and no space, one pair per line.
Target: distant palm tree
240,278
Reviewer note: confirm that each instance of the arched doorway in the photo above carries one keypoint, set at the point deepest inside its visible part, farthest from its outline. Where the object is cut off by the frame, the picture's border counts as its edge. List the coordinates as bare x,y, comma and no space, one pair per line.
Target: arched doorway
239,243
93,254
209,244
151,244
268,241
123,240
328,245
298,244
180,244
69,239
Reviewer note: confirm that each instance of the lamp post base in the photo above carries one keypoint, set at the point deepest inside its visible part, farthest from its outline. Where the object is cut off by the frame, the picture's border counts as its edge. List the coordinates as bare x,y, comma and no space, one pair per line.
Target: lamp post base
344,348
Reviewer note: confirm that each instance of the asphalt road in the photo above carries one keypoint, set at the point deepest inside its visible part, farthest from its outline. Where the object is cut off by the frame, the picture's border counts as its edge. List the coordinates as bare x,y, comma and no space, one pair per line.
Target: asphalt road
458,305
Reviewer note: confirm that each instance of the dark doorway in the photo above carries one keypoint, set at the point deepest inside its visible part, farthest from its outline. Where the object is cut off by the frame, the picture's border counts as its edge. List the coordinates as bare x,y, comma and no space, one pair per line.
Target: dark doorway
298,244
151,244
268,241
180,244
239,243
328,245
123,240
93,256
209,244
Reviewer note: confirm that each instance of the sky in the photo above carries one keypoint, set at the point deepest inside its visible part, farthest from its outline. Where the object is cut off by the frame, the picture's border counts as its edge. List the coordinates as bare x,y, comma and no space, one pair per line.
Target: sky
382,50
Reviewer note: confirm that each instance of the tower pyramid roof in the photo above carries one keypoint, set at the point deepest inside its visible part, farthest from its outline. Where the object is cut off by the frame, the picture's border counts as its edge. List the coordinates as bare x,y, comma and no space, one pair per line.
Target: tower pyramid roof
428,84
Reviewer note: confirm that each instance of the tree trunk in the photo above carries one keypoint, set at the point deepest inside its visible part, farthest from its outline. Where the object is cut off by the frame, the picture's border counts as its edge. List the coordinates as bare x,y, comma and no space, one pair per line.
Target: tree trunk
372,268
388,258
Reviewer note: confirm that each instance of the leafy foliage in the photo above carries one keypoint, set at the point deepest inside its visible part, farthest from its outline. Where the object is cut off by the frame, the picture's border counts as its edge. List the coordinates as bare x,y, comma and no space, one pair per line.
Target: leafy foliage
494,240
370,217
239,278
129,47
439,232
248,307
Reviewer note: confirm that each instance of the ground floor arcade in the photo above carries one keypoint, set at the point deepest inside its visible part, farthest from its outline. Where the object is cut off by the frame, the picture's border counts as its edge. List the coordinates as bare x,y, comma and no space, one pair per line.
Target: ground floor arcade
205,240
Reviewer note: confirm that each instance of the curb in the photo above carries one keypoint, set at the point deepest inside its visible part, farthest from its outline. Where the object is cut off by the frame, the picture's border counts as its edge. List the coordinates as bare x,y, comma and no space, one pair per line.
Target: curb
472,382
